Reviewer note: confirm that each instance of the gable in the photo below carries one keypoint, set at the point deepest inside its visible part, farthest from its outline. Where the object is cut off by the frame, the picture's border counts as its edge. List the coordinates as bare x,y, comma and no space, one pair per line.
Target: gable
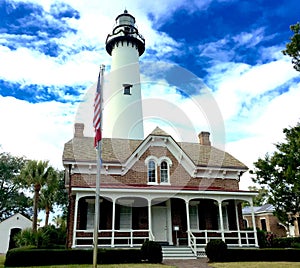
16,221
119,156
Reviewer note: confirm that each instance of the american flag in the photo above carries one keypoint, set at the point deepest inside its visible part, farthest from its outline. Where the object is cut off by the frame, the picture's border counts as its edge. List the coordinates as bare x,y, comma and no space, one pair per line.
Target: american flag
98,111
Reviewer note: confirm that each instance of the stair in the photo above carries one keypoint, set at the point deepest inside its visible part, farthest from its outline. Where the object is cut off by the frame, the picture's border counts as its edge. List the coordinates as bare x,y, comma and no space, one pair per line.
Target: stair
180,252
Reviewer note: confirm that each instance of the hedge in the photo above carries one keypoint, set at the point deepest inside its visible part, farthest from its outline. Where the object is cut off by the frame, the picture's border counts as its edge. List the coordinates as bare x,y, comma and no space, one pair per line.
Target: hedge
40,257
268,254
286,242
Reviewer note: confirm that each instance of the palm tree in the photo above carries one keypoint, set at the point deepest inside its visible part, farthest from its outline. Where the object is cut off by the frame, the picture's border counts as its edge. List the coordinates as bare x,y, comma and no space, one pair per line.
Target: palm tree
47,201
60,221
36,174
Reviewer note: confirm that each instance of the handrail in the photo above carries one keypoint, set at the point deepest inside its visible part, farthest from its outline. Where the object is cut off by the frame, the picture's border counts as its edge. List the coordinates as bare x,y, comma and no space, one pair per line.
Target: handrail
151,236
193,243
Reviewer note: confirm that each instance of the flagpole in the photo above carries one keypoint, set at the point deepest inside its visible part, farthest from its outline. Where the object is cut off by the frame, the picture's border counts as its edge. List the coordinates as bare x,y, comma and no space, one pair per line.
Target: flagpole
98,177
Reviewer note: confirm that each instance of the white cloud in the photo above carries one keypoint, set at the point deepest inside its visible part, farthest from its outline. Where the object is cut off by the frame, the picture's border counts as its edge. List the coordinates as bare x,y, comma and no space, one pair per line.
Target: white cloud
250,39
36,131
253,118
32,67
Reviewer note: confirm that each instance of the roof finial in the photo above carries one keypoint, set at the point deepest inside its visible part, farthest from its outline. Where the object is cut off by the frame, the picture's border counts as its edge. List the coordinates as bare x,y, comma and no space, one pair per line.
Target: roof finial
125,10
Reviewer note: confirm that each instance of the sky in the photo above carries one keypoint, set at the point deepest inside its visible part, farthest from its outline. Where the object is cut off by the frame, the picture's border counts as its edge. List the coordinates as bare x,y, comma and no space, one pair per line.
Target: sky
246,90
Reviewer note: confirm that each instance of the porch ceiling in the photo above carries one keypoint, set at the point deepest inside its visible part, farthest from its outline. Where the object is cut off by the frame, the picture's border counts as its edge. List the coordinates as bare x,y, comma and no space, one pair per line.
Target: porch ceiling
188,192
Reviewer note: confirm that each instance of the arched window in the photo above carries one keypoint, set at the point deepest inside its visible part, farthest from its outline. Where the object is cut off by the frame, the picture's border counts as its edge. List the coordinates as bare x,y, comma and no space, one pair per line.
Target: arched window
151,171
164,172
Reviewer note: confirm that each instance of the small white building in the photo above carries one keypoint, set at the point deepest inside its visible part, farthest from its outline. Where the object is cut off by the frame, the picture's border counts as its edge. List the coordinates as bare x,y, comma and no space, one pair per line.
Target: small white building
10,227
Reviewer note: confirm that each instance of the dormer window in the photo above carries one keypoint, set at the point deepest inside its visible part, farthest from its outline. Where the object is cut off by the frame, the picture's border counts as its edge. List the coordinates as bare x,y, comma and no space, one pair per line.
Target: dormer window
158,169
164,172
151,172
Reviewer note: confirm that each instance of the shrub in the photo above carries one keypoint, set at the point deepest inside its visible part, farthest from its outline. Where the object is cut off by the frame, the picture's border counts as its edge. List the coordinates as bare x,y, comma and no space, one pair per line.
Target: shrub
41,257
259,255
216,250
286,242
262,239
30,238
151,252
45,237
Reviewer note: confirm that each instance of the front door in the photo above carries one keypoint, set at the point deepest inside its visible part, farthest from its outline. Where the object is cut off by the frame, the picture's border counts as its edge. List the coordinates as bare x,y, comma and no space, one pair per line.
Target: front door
159,223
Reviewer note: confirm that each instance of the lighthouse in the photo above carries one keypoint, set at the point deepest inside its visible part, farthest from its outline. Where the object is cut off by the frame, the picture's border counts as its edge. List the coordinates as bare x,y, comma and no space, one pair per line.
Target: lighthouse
123,114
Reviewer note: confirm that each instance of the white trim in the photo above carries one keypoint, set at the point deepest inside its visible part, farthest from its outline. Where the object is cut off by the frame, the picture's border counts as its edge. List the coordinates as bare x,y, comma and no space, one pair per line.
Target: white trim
190,194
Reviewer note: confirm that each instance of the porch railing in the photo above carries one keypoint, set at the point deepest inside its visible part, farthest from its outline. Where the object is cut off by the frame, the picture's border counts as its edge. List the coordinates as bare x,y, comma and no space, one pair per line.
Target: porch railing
192,242
232,238
113,238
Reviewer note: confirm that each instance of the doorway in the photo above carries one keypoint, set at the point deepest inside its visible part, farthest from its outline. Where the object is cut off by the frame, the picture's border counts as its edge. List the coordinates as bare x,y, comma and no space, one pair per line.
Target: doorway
159,223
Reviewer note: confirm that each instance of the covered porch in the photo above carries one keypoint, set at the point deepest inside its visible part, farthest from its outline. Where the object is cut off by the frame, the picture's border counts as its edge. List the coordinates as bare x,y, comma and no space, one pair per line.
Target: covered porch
129,217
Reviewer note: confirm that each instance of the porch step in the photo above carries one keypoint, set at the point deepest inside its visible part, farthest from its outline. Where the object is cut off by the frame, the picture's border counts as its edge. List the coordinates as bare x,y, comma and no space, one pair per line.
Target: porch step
179,252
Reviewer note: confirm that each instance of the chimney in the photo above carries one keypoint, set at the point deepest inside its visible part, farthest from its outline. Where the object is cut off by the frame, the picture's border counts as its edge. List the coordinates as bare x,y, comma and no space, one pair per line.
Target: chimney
204,138
79,127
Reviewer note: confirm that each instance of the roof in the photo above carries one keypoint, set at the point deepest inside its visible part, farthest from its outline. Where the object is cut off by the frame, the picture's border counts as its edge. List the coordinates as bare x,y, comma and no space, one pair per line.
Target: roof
115,150
267,208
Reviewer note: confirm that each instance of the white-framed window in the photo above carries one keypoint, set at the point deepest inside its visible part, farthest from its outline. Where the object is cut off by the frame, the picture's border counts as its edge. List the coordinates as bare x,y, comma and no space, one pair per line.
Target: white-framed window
225,218
151,171
125,217
164,172
151,164
194,219
90,216
164,163
154,165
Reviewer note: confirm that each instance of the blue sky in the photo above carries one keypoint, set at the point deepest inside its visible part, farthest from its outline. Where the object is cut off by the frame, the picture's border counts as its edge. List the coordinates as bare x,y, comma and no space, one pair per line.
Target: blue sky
50,52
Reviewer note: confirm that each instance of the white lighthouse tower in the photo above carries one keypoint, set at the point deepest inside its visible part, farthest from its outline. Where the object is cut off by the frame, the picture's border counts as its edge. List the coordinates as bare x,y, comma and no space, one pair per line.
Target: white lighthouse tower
123,115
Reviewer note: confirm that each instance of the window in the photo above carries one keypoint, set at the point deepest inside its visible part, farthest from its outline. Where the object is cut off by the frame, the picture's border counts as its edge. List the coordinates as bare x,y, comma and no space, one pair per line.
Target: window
125,217
90,215
263,224
151,171
127,89
158,169
194,222
225,218
164,172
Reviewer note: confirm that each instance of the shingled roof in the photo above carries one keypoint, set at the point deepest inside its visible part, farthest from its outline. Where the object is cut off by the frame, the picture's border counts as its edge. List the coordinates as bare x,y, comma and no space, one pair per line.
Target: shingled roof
81,149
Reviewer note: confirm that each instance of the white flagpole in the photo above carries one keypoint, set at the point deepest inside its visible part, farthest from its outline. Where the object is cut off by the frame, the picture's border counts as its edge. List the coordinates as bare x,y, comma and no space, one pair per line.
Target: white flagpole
98,177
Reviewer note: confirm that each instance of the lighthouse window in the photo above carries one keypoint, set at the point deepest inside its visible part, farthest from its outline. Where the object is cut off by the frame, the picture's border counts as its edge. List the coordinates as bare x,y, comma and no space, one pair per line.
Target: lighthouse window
127,89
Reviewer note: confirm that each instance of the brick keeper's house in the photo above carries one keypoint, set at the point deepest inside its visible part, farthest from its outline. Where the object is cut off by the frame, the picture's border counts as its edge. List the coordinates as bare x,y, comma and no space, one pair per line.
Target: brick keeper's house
172,192
153,187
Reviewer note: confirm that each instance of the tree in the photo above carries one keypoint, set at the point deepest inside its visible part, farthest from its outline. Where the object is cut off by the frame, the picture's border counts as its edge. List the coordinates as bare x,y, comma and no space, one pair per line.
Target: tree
293,48
12,199
61,197
262,196
279,173
47,197
54,194
35,174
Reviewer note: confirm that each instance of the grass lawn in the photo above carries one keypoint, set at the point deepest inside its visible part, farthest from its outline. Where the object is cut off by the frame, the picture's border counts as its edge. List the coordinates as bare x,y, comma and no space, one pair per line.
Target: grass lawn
255,264
140,265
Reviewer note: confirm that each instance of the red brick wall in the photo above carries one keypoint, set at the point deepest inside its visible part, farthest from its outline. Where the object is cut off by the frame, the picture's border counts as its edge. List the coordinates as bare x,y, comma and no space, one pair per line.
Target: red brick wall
138,175
272,224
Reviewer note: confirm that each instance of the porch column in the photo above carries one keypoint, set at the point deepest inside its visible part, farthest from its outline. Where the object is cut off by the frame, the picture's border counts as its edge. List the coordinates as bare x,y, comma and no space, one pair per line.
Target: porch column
237,223
150,220
187,208
221,220
113,224
75,221
253,223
